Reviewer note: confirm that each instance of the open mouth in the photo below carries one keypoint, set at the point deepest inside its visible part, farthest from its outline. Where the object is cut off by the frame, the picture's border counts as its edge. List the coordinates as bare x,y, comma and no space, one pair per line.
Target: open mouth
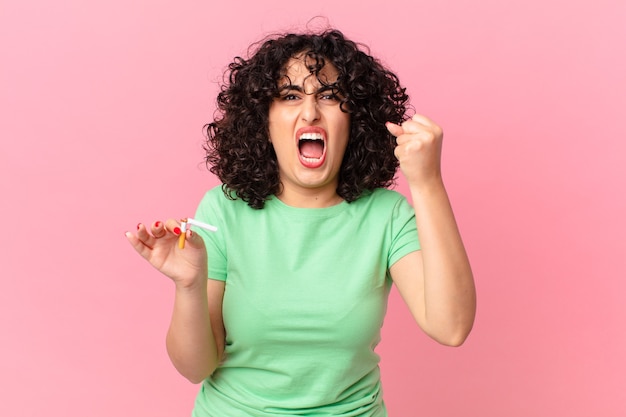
312,147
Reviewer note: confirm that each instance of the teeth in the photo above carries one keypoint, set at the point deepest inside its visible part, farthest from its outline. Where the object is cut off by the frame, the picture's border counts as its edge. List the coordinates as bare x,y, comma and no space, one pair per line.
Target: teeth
311,136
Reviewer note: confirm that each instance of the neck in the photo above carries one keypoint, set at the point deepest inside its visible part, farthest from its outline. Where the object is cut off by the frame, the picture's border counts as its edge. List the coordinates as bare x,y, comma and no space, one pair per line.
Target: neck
309,199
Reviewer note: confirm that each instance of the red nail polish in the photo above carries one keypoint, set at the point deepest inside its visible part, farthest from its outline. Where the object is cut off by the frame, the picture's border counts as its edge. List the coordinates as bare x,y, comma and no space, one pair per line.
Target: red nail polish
138,226
176,230
157,224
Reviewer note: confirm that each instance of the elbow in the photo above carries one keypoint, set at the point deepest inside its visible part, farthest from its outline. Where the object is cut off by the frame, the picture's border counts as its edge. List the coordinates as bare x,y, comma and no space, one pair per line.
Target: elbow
195,372
456,329
453,335
196,379
197,376
454,340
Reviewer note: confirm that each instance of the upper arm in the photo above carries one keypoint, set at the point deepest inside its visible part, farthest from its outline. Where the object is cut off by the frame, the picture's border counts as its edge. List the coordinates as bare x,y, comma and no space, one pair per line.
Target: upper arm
215,295
408,276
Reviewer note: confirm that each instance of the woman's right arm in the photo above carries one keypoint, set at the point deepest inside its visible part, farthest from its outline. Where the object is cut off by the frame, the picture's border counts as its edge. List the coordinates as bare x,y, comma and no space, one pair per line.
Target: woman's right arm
195,339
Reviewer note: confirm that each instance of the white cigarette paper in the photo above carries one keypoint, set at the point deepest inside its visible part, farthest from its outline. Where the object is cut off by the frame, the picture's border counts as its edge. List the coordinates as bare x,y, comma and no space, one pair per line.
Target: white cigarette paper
203,225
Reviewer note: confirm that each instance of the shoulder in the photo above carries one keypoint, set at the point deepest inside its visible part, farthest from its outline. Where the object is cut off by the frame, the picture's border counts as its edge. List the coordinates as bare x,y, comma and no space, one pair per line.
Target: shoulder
388,195
381,198
217,203
212,203
217,196
386,208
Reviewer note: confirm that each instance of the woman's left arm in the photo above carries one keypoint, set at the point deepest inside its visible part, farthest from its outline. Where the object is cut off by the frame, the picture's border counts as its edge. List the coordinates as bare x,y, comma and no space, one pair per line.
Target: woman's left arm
435,282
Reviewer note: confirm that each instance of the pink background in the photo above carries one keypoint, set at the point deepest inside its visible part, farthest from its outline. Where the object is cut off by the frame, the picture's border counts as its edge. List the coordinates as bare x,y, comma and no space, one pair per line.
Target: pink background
102,107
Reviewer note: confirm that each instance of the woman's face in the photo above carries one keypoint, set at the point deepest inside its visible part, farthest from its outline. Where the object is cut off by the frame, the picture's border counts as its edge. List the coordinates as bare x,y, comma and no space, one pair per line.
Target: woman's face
309,133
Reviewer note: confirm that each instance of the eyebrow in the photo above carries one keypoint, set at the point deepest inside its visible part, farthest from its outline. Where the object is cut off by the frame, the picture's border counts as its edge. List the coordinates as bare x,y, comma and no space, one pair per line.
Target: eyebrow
294,87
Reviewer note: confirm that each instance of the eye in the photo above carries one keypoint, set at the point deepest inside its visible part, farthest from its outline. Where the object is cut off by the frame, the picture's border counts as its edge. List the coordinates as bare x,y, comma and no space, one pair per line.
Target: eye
329,96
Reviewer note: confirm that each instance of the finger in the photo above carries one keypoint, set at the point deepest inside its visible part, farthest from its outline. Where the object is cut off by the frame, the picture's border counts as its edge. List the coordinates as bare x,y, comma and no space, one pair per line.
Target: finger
138,245
405,138
428,124
413,126
172,226
143,235
394,129
413,134
194,239
158,229
420,118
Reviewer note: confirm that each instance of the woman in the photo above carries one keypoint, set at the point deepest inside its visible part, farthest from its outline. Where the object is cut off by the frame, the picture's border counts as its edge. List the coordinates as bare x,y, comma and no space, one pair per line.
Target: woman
310,132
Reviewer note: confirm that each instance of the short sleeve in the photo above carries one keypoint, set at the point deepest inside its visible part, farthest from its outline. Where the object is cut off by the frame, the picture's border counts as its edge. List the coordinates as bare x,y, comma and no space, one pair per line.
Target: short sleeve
208,212
404,234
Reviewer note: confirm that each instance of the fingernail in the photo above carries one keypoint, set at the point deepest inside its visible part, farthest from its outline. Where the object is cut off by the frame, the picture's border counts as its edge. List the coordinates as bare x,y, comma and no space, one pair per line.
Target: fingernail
157,224
190,233
176,230
138,226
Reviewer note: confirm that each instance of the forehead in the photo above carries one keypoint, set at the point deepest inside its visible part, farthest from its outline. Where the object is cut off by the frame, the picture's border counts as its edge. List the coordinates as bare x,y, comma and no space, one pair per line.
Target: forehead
299,70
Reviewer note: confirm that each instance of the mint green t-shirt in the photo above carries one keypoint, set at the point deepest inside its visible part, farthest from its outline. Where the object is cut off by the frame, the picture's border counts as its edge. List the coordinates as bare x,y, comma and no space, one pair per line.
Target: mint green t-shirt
306,294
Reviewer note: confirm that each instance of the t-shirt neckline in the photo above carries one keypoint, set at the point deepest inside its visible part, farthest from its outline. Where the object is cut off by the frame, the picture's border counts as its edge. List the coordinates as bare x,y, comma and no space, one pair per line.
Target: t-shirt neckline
330,211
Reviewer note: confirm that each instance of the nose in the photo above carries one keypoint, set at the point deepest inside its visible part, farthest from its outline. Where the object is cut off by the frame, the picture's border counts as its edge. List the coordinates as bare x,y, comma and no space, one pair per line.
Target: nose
310,110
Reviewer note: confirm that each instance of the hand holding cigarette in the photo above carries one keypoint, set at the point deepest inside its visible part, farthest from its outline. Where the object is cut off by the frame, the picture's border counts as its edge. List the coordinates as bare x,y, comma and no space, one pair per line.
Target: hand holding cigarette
157,243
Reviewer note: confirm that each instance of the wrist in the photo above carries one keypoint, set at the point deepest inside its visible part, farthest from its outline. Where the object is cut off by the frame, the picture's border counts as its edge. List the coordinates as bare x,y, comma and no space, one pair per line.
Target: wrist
197,283
432,186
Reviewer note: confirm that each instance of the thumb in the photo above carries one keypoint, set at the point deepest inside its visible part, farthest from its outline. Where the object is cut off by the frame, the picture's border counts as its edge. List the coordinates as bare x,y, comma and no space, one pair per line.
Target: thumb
194,239
394,129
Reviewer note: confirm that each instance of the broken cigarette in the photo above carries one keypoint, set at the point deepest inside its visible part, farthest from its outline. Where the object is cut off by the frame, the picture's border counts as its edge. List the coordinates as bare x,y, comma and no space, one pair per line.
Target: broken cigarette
186,224
202,225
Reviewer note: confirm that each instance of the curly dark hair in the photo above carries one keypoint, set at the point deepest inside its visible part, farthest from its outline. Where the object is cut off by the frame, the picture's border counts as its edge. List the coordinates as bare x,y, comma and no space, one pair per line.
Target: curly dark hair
238,149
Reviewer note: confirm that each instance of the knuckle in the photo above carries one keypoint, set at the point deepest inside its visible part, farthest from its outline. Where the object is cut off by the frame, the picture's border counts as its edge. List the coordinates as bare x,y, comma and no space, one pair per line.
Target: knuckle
429,137
415,146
